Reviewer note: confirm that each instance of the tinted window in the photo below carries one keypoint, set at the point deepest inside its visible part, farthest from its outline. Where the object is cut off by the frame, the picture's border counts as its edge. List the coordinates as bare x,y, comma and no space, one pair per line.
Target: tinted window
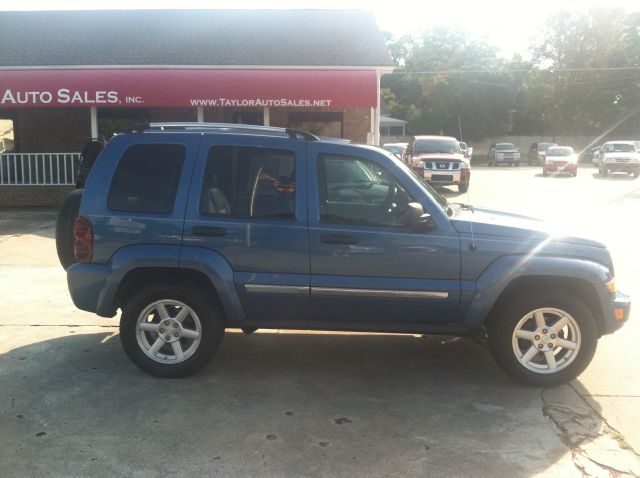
560,152
619,148
356,191
505,147
249,182
437,146
147,178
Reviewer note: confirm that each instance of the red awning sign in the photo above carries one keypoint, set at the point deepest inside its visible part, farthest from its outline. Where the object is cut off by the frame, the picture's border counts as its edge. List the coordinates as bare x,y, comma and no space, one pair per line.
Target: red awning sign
189,88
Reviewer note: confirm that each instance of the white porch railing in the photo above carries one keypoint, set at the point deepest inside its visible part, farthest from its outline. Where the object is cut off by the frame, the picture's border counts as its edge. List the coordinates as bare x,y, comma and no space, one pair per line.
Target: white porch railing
38,169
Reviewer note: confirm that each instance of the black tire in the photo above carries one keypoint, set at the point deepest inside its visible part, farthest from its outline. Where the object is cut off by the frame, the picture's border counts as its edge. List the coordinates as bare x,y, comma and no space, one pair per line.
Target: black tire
209,314
463,188
249,330
65,239
603,172
501,328
636,173
517,164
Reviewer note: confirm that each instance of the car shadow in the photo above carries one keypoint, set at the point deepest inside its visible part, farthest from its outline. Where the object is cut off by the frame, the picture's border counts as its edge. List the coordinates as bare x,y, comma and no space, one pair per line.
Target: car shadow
275,404
554,175
614,177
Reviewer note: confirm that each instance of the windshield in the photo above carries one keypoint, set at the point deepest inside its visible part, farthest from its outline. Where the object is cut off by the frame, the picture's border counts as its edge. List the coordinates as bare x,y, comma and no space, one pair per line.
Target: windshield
560,152
505,147
545,146
619,148
439,198
394,148
437,146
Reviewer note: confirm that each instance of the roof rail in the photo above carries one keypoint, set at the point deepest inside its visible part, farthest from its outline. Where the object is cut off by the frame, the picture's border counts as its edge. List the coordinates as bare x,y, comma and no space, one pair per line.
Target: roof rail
223,127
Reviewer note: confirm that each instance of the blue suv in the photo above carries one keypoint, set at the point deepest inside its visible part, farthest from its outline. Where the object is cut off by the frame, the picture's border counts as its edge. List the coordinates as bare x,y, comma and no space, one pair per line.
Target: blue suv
192,228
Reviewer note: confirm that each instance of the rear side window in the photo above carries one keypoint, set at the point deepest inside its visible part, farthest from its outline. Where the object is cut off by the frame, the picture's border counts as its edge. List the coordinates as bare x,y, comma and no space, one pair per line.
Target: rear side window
249,182
147,178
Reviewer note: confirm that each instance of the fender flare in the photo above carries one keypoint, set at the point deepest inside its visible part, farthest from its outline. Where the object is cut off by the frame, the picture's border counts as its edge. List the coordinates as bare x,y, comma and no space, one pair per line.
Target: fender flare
205,261
504,270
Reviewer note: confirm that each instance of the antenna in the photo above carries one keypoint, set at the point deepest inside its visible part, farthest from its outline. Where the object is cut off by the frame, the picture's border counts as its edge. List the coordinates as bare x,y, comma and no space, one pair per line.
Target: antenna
472,246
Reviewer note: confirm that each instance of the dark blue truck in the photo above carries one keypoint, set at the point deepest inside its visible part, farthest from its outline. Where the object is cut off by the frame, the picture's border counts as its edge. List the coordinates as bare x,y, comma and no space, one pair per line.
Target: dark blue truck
191,228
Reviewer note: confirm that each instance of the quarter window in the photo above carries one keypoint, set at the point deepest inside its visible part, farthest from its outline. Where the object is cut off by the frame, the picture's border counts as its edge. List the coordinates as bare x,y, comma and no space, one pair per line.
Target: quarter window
146,179
359,192
249,182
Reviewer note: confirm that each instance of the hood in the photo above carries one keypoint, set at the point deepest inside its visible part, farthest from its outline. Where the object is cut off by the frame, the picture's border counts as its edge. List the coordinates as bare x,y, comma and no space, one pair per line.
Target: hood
438,157
487,222
625,155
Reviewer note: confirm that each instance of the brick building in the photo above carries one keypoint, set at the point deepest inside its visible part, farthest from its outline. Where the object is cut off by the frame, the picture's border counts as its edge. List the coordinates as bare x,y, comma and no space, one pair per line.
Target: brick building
67,77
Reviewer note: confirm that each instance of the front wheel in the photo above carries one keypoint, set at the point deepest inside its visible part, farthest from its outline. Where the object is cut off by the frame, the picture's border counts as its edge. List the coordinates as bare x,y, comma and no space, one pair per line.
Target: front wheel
463,187
603,171
170,330
543,339
636,173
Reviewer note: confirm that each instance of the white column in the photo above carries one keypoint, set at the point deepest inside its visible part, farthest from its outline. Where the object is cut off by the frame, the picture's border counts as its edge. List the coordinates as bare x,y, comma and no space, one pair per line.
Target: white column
371,137
376,131
93,111
200,113
265,116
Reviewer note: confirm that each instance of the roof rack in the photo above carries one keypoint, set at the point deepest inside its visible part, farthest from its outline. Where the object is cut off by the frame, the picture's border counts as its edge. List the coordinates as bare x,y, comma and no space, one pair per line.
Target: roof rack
222,127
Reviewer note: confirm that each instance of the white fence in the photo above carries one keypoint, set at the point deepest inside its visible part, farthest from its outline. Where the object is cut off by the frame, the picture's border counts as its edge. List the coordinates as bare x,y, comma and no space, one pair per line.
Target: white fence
38,169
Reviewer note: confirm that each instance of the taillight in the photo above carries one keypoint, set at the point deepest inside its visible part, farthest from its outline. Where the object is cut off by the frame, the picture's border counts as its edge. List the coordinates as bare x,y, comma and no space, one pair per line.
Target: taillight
83,232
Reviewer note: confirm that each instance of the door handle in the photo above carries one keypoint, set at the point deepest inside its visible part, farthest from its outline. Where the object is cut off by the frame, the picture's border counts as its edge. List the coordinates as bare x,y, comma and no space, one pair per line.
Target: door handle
343,239
209,231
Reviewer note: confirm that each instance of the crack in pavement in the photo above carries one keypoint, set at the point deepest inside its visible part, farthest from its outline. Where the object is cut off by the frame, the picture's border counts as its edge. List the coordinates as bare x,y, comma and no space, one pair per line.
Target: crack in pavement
597,449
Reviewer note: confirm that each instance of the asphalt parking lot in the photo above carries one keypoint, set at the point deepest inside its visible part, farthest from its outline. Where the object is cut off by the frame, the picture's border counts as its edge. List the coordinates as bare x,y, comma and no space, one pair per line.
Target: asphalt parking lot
315,404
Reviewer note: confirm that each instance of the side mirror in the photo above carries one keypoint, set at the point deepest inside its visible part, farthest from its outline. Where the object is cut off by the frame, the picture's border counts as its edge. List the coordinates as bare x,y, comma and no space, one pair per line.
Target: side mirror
414,216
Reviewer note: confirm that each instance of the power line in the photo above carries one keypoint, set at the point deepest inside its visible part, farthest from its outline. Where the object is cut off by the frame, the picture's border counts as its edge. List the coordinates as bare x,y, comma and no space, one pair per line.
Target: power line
516,70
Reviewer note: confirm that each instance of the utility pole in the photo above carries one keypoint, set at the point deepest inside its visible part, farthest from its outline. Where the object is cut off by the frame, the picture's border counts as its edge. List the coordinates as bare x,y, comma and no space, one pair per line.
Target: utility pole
460,128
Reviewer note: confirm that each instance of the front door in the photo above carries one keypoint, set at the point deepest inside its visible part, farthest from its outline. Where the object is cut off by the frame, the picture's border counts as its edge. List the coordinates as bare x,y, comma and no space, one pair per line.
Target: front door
365,264
246,206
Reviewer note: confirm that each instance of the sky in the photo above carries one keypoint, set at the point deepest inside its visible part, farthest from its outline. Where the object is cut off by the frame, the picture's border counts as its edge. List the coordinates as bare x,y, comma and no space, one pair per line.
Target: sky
508,25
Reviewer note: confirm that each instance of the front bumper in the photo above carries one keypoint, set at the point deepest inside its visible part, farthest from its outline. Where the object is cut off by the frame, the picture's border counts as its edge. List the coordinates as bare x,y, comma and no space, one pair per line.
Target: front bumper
447,177
620,167
569,168
616,315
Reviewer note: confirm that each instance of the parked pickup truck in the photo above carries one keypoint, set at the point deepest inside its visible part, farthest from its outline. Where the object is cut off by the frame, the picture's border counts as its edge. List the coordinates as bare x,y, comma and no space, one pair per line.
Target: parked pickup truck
192,228
504,153
439,161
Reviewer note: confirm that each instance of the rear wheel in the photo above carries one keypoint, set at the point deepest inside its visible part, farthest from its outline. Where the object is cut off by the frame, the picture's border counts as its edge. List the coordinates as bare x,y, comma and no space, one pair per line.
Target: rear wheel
171,330
65,239
543,339
636,173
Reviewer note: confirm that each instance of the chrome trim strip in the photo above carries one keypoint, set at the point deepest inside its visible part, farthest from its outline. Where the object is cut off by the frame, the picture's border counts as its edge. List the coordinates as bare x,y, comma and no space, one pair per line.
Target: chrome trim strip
402,294
276,289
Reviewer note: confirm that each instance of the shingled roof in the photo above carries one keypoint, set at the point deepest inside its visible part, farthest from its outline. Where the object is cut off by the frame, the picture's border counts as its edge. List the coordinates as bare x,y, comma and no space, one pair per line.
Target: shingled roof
293,38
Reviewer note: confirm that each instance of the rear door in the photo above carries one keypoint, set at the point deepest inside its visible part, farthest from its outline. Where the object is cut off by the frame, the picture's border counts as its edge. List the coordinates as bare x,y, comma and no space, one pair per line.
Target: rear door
246,204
